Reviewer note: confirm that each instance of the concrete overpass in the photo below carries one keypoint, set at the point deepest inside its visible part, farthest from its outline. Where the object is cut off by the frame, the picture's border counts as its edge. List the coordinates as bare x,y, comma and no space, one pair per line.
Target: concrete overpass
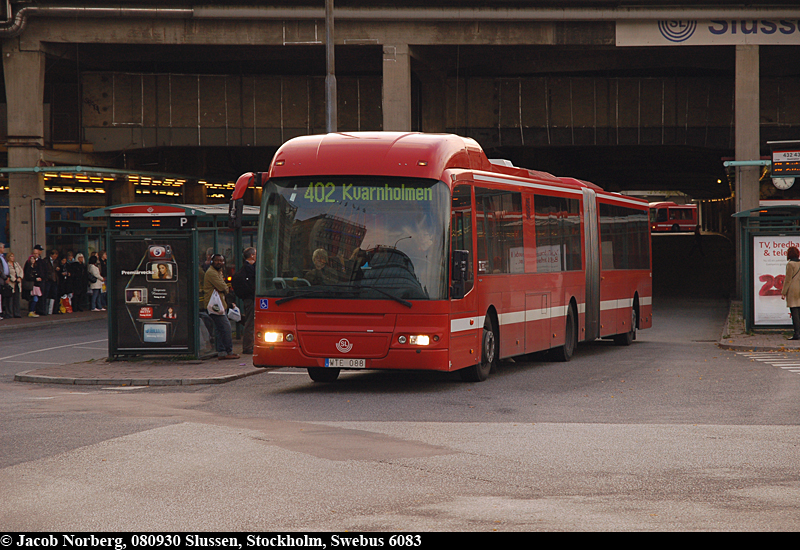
591,89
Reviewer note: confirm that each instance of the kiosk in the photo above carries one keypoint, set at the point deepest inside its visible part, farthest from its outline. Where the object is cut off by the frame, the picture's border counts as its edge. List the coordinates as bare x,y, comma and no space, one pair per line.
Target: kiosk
767,232
157,256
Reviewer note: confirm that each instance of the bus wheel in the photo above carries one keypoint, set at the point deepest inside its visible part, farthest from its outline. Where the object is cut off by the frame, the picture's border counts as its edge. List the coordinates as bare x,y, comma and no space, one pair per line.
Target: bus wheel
480,372
628,338
564,353
675,228
321,374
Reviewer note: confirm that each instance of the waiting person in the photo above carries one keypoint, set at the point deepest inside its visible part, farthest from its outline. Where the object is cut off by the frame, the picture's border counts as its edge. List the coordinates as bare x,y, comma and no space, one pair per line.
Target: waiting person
64,279
102,264
96,286
5,295
80,282
15,276
244,285
34,275
791,288
215,280
50,290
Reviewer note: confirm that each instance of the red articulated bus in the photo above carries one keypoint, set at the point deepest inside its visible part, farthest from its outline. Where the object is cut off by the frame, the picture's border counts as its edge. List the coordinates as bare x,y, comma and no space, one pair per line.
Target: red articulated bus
415,251
668,216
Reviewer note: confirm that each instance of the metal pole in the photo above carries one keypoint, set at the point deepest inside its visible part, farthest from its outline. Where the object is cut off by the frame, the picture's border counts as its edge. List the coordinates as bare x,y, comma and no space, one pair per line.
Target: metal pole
330,77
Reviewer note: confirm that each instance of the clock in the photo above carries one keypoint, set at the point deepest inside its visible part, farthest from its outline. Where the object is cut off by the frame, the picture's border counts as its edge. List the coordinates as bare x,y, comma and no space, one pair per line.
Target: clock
783,183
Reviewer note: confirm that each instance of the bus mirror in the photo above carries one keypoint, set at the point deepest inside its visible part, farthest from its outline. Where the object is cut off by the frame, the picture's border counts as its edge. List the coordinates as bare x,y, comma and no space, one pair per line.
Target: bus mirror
460,266
235,213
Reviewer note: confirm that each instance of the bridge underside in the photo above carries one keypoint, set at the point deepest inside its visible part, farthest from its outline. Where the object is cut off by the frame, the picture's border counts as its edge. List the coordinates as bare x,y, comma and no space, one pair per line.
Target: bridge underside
625,118
210,92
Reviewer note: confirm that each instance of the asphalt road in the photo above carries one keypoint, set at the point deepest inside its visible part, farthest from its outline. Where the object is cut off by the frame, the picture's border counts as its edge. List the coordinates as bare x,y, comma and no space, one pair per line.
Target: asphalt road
669,434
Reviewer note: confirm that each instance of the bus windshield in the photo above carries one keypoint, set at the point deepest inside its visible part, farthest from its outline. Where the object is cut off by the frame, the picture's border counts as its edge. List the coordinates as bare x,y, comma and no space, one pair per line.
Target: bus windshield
354,237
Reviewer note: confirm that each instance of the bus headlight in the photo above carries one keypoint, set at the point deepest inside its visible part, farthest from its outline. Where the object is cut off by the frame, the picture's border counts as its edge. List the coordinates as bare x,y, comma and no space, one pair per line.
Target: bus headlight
273,337
419,340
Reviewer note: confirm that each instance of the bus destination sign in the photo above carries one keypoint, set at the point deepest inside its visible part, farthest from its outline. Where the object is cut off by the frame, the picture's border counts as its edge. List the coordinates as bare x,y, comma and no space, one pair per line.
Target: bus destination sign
786,163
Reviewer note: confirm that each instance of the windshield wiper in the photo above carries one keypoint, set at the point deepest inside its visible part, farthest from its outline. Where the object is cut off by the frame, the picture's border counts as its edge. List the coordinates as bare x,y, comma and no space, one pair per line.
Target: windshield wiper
333,288
299,295
390,295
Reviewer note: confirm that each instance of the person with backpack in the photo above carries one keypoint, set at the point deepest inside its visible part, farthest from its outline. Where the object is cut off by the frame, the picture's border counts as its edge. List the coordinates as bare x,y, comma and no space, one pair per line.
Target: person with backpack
244,286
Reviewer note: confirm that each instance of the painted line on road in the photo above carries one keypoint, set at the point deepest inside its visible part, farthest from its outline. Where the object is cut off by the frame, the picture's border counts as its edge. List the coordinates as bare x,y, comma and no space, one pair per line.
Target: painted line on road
53,348
34,362
778,359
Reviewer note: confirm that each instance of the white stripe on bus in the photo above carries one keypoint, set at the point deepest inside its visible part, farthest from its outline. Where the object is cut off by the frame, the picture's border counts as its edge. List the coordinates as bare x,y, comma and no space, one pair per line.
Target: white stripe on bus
539,314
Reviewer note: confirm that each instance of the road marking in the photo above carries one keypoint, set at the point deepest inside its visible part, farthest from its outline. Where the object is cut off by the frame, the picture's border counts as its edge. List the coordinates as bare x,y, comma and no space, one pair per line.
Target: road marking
33,362
53,348
782,360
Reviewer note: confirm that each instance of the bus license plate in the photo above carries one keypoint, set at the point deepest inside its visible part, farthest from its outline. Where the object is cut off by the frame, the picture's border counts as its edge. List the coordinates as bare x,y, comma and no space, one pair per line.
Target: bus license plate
346,363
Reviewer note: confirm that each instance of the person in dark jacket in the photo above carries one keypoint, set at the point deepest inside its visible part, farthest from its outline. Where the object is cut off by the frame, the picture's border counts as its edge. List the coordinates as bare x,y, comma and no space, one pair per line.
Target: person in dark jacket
244,285
34,276
80,282
50,291
102,264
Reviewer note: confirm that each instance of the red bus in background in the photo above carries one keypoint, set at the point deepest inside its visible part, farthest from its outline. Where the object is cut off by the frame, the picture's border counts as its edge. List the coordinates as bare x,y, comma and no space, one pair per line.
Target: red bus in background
668,216
414,251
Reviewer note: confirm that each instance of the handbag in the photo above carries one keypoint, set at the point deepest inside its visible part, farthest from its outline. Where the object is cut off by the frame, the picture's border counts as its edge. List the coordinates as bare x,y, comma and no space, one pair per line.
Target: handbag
234,314
36,291
215,306
91,277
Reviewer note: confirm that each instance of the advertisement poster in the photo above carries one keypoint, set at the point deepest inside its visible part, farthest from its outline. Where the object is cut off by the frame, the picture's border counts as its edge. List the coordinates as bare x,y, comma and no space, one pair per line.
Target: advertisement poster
769,269
151,294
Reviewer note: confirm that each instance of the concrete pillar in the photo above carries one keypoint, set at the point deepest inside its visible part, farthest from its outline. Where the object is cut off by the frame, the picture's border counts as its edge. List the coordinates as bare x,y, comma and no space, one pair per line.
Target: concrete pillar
24,80
433,99
396,88
194,193
748,139
121,191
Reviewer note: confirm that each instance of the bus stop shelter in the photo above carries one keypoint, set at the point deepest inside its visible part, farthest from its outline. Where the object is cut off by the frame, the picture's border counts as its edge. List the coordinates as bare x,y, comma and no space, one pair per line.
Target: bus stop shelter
767,232
157,257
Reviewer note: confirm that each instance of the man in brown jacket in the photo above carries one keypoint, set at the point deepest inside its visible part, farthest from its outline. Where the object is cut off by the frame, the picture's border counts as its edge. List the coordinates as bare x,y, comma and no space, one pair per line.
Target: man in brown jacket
214,280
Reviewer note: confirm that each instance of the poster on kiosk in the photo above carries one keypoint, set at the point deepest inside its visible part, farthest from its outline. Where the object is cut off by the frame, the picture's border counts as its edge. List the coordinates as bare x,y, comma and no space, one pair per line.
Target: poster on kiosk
769,271
151,294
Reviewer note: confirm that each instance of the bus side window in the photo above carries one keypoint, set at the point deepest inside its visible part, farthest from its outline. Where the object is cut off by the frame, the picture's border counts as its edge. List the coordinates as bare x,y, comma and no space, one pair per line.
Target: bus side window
461,230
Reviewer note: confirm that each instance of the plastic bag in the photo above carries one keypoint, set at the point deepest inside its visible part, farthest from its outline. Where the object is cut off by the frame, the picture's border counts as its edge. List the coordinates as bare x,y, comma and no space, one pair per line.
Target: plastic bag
234,314
215,306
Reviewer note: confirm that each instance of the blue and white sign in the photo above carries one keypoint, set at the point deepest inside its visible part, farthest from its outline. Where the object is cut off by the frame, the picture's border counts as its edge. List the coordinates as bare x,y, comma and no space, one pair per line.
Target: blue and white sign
263,303
155,333
710,32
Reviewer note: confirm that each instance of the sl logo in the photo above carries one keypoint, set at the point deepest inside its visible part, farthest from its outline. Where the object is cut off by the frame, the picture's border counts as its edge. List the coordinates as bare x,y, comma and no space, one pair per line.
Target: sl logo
344,345
677,31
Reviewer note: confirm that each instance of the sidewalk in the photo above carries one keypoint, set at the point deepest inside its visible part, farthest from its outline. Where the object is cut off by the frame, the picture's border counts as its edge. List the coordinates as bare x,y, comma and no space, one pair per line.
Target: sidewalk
734,337
164,371
146,371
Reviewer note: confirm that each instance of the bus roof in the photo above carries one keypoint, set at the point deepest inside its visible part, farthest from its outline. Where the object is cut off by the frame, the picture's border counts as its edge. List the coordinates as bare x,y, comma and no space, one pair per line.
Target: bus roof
400,154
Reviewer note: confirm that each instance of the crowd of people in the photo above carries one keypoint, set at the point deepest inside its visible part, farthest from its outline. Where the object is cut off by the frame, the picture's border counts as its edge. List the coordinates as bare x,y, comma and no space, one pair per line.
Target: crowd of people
215,287
51,284
56,284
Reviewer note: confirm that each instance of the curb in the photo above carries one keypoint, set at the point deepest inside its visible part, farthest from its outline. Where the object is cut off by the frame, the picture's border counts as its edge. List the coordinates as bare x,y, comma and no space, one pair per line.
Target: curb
26,376
42,321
